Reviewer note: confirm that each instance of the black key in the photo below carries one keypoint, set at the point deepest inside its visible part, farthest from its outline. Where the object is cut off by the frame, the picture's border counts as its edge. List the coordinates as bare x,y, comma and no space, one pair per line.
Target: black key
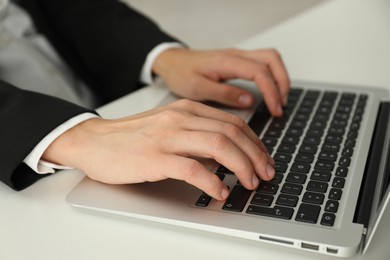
335,194
330,147
317,186
322,117
313,197
302,117
315,132
336,130
273,133
280,166
282,157
338,182
276,212
277,178
352,134
308,213
269,141
320,176
259,119
308,103
344,161
262,199
344,108
348,95
290,139
275,124
266,187
286,148
294,189
237,199
324,110
339,123
312,94
287,200
331,206
304,110
347,152
304,157
294,132
341,171
300,167
333,139
298,124
308,148
317,124
327,156
328,219
350,143
312,140
296,178
324,165
341,116
203,200
329,95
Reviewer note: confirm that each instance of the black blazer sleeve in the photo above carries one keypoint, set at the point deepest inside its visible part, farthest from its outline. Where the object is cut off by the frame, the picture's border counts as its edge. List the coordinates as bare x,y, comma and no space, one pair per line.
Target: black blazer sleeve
26,118
104,41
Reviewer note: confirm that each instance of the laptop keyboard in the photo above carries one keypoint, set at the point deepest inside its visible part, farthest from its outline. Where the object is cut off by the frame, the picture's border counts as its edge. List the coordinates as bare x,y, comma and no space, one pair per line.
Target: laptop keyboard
312,145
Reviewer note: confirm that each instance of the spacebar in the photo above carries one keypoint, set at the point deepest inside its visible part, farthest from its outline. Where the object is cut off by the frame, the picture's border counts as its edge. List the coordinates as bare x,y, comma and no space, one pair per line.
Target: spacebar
276,212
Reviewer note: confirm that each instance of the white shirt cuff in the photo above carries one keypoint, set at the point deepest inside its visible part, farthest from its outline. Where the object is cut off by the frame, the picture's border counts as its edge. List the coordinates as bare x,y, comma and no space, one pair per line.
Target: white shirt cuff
33,160
146,72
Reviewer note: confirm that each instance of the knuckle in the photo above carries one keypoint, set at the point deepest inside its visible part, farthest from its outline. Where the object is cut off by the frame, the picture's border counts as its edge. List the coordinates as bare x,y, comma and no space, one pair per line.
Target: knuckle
220,141
274,53
170,115
185,103
192,170
232,130
238,121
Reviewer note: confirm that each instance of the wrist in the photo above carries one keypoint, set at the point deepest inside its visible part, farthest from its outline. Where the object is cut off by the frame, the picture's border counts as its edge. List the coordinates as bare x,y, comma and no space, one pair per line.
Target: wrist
71,145
167,60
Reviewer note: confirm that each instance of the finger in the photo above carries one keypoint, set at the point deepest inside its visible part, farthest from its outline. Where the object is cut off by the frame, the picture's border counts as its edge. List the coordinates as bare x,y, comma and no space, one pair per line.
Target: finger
204,111
219,147
258,157
279,72
238,67
273,59
223,93
194,173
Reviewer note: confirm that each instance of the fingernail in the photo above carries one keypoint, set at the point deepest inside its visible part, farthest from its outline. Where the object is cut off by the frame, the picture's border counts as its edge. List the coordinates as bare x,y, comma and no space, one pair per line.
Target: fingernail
270,171
245,100
255,181
224,193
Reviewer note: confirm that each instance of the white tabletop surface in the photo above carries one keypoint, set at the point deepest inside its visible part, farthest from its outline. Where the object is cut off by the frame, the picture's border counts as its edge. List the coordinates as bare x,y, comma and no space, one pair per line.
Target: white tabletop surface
343,41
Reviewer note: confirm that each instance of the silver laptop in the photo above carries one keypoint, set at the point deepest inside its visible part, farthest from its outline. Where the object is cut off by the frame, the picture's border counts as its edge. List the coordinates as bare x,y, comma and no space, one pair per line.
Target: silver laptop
331,149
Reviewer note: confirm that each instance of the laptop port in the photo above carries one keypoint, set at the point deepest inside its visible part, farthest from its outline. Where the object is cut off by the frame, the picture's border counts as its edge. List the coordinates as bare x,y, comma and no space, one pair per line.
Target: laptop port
310,246
332,250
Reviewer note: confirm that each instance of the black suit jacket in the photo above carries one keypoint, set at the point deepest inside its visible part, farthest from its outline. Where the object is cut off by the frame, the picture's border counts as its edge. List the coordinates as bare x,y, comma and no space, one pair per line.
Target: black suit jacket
103,41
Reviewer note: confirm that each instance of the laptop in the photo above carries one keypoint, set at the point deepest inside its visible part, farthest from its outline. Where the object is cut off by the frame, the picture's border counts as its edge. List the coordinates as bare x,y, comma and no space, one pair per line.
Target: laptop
330,190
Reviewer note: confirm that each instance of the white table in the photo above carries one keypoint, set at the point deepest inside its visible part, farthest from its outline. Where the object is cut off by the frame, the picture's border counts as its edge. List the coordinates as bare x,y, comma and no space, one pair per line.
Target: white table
343,41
